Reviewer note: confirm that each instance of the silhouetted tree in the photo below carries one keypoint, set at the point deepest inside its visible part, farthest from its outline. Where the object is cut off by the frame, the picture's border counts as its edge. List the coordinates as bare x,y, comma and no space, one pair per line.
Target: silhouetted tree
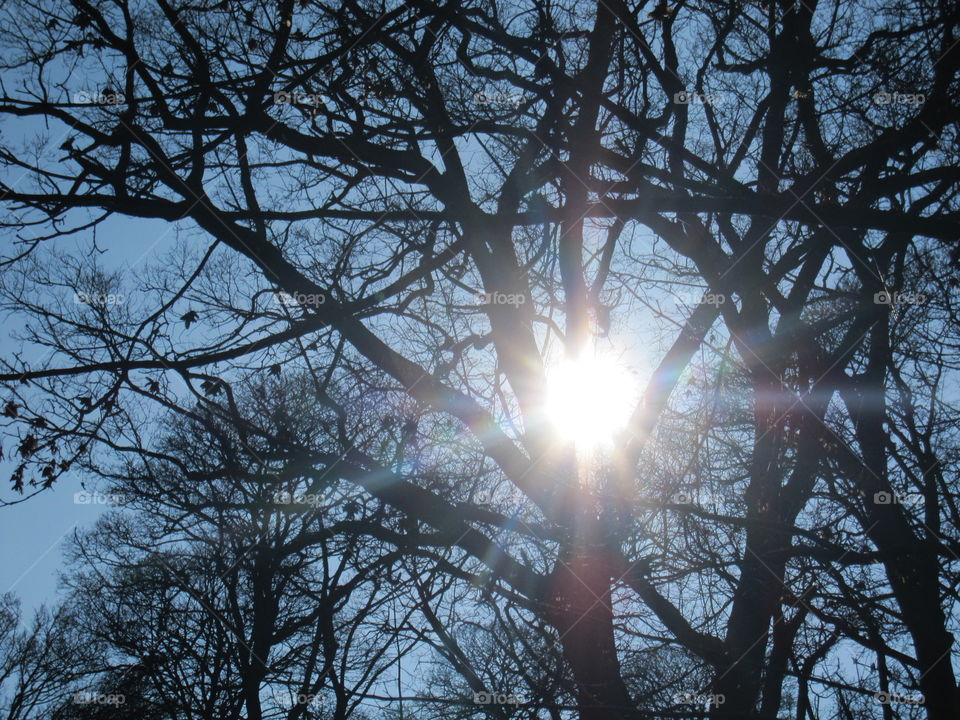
417,209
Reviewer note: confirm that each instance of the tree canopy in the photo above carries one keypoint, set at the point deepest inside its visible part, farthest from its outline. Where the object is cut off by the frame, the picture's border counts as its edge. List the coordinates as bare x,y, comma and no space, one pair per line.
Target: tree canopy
296,280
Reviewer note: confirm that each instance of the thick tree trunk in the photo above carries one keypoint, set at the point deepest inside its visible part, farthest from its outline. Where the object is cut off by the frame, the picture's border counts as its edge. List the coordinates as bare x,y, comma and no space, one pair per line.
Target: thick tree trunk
748,630
580,609
757,594
912,565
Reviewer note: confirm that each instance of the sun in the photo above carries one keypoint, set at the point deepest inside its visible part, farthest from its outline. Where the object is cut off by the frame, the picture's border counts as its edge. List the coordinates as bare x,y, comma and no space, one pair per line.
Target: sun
589,399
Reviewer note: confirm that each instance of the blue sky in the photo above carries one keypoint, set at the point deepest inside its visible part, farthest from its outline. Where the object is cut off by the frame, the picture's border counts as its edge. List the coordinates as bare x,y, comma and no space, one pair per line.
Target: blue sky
32,536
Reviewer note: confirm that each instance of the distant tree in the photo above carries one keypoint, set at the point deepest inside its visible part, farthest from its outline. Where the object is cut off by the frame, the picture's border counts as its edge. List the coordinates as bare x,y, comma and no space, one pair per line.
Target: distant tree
237,578
41,662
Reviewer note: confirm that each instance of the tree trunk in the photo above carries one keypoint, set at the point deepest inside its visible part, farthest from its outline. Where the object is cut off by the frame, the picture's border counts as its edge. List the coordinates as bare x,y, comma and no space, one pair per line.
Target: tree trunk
580,609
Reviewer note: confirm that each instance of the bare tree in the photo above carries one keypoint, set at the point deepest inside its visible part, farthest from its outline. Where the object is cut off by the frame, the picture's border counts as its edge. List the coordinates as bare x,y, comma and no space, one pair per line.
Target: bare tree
420,209
41,662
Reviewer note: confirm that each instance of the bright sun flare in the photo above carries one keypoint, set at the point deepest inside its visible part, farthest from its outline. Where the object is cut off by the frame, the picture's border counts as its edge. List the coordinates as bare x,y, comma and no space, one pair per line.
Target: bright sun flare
589,399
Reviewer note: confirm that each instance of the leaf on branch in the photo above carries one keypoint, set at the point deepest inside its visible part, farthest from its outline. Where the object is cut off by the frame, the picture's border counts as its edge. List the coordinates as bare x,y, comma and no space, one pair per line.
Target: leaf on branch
211,387
28,446
11,409
17,479
75,45
189,318
662,12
